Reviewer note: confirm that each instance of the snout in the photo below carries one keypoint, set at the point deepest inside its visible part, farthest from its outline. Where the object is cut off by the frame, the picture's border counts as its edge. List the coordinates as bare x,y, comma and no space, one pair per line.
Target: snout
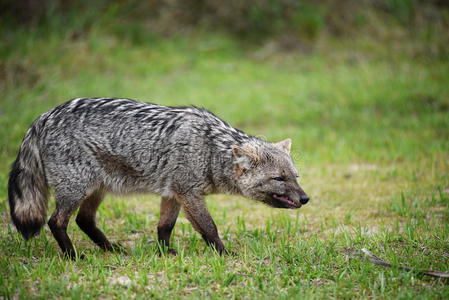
293,200
304,199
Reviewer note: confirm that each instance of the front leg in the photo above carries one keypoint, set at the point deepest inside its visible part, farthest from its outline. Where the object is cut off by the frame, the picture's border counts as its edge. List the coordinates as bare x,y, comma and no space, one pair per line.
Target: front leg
196,212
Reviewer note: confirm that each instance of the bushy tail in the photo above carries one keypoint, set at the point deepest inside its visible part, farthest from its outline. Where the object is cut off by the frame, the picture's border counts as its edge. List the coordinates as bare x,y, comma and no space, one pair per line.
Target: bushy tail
27,187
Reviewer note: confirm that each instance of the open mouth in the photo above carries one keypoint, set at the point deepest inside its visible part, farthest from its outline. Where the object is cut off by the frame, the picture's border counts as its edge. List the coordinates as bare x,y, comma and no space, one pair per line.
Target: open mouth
285,201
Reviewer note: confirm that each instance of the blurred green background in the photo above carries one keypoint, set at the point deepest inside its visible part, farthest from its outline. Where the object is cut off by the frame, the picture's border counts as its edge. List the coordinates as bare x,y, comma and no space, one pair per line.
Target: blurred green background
347,80
362,88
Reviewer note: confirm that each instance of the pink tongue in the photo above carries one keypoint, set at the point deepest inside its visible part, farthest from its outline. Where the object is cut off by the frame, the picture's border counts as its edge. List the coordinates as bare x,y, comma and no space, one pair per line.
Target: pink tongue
285,199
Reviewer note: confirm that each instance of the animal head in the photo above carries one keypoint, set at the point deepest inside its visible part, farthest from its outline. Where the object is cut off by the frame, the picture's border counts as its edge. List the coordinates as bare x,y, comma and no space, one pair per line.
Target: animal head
265,172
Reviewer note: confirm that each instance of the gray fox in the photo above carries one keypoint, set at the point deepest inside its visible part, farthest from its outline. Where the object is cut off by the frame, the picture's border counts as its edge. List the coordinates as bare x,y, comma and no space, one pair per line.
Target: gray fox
87,147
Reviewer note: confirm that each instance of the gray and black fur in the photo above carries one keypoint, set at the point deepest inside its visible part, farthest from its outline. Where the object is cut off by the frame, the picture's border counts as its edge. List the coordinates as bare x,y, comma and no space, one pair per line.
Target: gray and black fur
90,146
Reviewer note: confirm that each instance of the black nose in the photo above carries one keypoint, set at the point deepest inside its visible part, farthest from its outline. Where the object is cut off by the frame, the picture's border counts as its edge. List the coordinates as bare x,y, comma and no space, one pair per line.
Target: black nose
304,199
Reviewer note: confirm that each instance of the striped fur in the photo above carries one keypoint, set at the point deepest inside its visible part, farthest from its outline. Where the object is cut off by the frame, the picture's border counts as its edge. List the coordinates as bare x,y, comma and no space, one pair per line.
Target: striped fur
89,146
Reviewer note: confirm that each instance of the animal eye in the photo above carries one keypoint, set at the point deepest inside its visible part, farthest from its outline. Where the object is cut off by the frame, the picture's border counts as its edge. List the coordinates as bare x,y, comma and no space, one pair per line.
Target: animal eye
278,178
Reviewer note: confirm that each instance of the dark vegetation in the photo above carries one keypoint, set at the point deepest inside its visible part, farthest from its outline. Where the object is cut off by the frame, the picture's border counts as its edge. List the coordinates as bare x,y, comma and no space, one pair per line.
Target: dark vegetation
256,20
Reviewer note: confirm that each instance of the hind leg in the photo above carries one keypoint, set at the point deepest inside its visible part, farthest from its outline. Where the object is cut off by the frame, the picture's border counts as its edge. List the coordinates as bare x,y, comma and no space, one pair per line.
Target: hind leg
169,213
58,225
86,221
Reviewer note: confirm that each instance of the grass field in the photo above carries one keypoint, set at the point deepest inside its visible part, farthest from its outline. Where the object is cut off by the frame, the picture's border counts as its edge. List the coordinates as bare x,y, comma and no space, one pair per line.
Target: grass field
370,130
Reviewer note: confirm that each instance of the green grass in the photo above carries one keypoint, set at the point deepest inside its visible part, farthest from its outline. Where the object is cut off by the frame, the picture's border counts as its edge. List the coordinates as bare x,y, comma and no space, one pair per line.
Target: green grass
370,130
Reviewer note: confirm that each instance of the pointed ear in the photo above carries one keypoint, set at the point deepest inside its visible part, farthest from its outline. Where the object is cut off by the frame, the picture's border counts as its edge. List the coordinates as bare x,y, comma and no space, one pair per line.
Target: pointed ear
244,158
285,145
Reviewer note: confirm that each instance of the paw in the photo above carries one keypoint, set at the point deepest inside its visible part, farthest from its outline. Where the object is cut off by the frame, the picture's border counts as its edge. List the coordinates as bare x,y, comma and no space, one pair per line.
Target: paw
172,251
230,253
167,250
117,247
225,252
74,256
